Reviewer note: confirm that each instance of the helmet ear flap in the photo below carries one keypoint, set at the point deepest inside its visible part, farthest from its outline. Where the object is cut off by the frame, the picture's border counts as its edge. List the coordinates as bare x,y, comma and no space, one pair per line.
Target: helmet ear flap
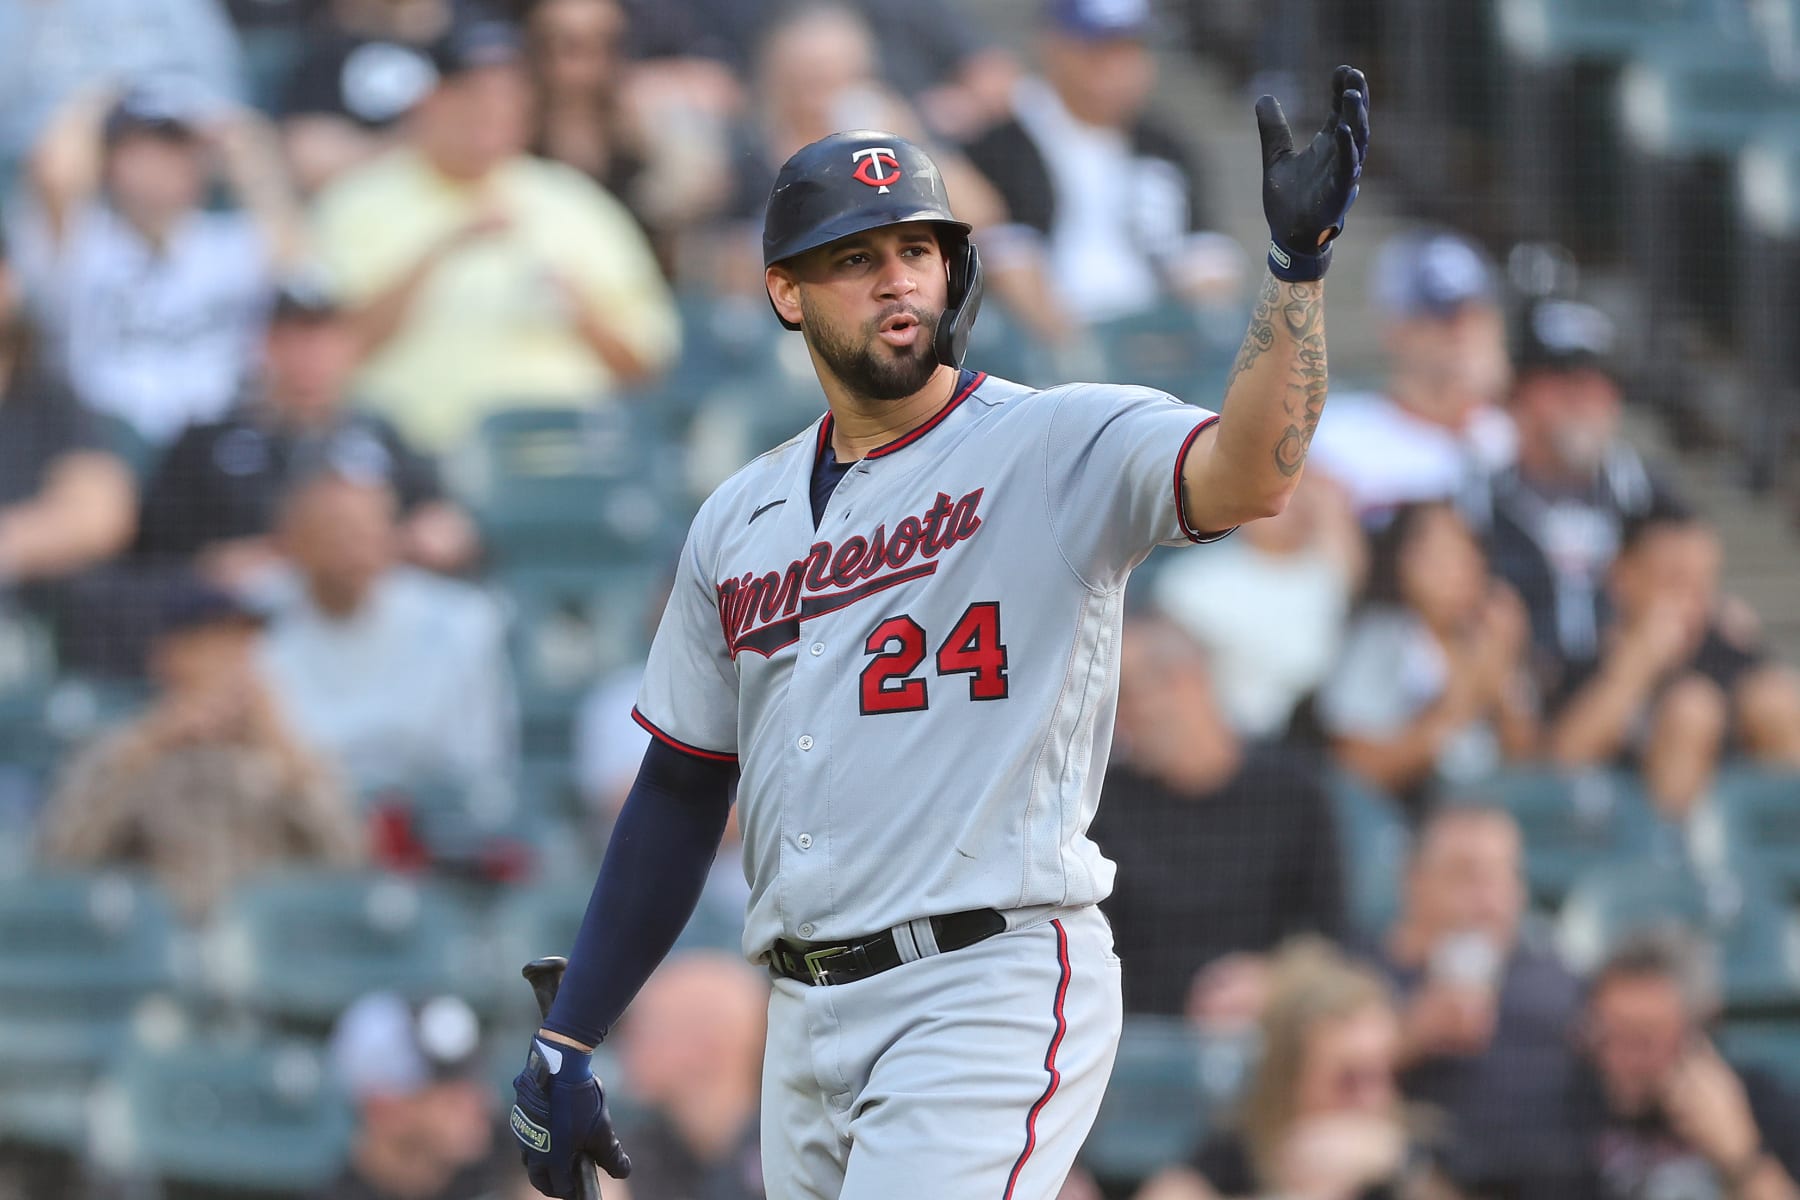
965,290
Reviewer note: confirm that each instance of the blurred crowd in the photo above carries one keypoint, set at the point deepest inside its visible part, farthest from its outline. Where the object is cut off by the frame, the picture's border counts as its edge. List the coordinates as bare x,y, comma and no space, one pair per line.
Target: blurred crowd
359,360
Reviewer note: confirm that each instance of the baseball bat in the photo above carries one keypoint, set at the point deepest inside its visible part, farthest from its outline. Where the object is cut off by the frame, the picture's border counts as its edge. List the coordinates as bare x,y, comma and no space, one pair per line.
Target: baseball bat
545,976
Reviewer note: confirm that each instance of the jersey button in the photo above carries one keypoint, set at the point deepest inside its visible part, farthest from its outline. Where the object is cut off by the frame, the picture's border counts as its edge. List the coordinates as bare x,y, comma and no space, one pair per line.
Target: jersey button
818,648
804,841
806,930
805,742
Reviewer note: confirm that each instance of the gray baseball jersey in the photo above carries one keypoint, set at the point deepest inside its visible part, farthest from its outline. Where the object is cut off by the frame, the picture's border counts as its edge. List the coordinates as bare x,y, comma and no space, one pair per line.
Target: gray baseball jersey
920,691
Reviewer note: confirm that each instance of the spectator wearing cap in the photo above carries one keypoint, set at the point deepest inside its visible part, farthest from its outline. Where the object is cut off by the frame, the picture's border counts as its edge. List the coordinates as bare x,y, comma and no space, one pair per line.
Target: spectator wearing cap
690,1053
1681,677
66,501
212,501
423,1132
153,302
1437,432
1553,519
50,53
209,785
481,277
398,676
1107,211
365,65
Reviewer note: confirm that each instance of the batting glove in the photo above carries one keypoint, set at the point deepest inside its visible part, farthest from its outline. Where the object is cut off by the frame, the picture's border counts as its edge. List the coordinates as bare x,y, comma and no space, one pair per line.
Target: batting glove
559,1116
1307,195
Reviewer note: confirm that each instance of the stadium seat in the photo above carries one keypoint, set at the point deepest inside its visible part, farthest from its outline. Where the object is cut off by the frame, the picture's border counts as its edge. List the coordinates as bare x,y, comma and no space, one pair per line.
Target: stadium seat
1173,348
568,487
1155,1108
244,1118
1561,137
545,918
1569,822
1768,295
1756,816
1373,843
1773,1046
1738,910
77,953
298,947
569,626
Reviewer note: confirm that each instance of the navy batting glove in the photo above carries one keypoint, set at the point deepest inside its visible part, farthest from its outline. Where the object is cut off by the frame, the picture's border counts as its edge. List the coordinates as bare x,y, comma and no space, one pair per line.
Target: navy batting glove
1307,195
559,1116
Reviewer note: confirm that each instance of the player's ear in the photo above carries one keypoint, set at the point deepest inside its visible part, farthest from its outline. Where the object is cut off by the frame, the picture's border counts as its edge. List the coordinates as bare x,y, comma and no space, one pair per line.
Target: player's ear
784,293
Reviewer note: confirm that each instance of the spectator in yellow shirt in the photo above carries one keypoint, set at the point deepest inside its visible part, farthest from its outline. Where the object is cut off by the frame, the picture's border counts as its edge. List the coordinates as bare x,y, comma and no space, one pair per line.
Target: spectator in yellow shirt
483,278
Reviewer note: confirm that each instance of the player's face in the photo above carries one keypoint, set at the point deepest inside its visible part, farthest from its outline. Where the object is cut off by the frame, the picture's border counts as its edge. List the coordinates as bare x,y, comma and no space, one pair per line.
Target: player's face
870,306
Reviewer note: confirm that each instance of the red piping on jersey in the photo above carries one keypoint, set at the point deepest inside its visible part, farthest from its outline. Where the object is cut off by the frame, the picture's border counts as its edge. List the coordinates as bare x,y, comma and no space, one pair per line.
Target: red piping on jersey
907,439
1187,530
1062,1027
678,744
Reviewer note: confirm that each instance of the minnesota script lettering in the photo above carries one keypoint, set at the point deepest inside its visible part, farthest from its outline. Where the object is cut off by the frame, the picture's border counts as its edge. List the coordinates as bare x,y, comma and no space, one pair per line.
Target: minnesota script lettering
762,613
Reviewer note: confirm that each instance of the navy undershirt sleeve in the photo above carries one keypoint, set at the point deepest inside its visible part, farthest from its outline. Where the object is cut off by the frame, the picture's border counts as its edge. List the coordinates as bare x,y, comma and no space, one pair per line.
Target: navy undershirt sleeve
656,864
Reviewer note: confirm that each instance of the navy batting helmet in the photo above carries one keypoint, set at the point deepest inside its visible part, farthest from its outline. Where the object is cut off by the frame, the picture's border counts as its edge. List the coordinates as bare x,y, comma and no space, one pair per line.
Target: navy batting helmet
860,180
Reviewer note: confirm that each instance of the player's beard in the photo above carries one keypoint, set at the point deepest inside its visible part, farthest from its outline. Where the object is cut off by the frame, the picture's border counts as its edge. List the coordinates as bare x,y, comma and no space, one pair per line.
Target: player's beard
870,367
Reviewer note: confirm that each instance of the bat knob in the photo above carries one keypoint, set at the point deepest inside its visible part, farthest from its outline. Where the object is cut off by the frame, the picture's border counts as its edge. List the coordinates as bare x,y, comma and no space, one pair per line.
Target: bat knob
545,976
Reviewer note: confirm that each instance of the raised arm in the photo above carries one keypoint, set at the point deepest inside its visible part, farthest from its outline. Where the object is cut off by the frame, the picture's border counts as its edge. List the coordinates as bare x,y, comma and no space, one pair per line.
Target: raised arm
1248,464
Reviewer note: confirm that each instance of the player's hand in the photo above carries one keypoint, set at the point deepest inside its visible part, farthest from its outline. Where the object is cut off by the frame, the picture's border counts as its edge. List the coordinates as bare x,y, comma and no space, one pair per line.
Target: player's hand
1307,194
559,1116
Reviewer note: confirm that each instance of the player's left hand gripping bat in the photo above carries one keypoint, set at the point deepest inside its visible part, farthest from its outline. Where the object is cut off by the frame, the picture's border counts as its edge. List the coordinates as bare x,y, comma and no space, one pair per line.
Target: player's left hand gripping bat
545,976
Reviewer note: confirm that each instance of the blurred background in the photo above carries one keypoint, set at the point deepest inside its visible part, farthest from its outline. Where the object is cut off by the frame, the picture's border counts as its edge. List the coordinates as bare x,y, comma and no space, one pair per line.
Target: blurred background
363,361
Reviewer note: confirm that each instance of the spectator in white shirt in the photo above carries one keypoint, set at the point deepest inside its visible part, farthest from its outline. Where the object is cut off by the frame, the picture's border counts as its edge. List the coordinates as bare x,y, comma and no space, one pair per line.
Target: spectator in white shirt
1269,605
398,674
1438,431
153,303
1107,211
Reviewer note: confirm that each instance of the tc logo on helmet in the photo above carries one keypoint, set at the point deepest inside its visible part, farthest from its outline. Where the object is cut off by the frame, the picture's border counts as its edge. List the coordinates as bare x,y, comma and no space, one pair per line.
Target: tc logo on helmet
876,166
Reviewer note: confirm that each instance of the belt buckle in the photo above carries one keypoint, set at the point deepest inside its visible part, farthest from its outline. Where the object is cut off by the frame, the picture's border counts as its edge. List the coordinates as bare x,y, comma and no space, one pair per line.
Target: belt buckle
815,959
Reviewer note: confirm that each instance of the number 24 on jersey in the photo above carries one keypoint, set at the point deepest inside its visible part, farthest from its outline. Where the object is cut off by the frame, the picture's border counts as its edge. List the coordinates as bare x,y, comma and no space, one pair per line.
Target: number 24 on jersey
898,645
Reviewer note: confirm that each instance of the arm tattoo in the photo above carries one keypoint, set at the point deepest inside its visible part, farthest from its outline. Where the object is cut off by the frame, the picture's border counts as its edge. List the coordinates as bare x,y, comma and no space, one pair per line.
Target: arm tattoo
1261,334
1303,316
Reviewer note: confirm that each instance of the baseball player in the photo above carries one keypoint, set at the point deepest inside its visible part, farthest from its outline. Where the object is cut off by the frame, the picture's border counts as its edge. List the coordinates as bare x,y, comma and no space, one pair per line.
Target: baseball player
898,635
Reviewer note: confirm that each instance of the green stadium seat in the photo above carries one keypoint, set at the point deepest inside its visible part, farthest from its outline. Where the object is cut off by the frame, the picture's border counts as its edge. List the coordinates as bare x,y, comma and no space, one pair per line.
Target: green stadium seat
1738,910
569,486
1172,348
1155,1108
1756,817
1569,822
1373,842
298,947
1562,144
1774,1046
246,1119
1542,31
78,952
571,625
545,918
125,440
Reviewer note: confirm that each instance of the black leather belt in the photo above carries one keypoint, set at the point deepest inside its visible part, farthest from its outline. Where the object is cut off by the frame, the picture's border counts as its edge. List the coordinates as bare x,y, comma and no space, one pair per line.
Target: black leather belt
826,963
